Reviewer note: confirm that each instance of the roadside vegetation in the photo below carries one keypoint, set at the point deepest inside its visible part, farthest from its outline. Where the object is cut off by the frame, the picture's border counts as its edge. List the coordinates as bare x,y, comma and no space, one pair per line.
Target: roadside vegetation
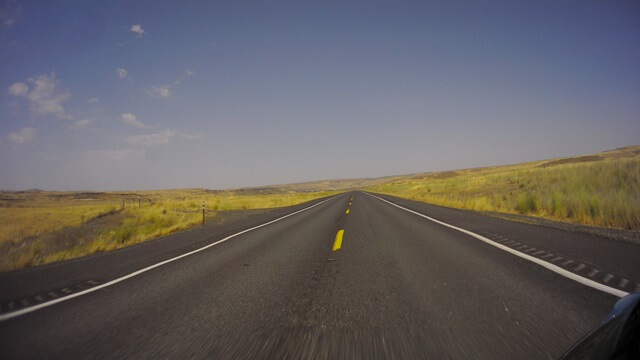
600,190
38,227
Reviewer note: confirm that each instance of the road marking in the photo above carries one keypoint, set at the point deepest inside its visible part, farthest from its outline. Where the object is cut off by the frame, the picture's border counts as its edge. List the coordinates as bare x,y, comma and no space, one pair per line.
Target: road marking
347,211
580,267
27,310
607,278
593,272
558,270
623,283
567,262
337,244
556,258
547,256
538,253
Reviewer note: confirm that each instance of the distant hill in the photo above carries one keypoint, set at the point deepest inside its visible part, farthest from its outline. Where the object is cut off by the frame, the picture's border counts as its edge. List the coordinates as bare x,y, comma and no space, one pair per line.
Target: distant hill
362,183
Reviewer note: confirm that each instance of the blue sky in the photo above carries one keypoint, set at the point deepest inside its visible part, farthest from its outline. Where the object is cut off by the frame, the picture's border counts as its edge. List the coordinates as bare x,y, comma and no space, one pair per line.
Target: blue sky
149,95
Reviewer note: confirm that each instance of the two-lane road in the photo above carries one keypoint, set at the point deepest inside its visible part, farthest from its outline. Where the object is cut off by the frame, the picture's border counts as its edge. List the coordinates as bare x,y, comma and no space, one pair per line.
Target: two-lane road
397,286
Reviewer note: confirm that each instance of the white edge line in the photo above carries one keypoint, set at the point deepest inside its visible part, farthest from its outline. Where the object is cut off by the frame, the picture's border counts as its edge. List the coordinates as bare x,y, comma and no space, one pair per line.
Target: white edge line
27,310
554,268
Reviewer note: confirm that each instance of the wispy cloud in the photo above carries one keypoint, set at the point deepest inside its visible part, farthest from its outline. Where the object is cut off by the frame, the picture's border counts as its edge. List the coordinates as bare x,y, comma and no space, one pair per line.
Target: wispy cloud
130,119
137,29
187,73
165,90
25,135
158,138
45,95
10,13
77,125
93,101
18,89
159,91
122,73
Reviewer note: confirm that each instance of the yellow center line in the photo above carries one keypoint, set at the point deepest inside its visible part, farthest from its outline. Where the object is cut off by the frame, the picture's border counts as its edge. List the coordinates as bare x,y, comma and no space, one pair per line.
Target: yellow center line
347,211
338,243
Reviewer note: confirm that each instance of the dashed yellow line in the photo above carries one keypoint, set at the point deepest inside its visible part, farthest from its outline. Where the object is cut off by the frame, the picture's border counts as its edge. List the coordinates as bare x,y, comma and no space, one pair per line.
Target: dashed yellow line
347,211
337,244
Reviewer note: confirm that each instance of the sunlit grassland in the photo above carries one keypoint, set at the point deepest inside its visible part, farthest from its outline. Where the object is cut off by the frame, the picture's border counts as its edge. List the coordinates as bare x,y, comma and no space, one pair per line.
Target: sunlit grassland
602,190
32,213
170,214
43,227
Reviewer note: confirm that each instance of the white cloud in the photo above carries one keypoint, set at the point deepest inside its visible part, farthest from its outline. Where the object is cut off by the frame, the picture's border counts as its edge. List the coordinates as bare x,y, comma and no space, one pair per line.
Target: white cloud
122,73
25,135
187,73
159,91
158,138
165,90
130,155
93,101
137,29
18,89
46,97
77,125
130,119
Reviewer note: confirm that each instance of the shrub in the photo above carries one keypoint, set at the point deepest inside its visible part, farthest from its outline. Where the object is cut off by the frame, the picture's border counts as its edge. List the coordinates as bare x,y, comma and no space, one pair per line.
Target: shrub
527,203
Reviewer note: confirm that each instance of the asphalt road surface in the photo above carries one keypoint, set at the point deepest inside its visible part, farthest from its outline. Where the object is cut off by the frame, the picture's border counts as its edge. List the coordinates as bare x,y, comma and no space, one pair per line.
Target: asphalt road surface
398,285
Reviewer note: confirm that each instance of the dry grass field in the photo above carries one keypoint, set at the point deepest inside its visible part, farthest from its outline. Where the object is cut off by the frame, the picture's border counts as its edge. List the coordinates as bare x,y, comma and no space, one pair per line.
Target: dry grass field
601,189
39,227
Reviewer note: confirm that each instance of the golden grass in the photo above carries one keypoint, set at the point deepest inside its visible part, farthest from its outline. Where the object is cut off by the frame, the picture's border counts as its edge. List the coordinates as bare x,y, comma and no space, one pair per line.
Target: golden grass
597,190
43,217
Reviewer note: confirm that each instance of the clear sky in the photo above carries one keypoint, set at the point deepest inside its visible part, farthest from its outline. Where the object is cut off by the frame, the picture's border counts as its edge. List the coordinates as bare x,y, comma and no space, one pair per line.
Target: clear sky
114,95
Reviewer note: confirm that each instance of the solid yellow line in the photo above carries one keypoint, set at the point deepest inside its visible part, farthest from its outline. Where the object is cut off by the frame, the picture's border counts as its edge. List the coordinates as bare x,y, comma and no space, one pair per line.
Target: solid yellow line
338,243
347,211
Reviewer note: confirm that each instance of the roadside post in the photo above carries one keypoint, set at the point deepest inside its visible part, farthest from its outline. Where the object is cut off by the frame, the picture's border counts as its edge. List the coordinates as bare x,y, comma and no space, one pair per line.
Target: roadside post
203,214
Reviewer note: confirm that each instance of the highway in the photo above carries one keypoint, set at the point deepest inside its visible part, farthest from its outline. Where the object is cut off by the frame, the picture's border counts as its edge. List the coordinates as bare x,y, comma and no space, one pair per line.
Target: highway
355,276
